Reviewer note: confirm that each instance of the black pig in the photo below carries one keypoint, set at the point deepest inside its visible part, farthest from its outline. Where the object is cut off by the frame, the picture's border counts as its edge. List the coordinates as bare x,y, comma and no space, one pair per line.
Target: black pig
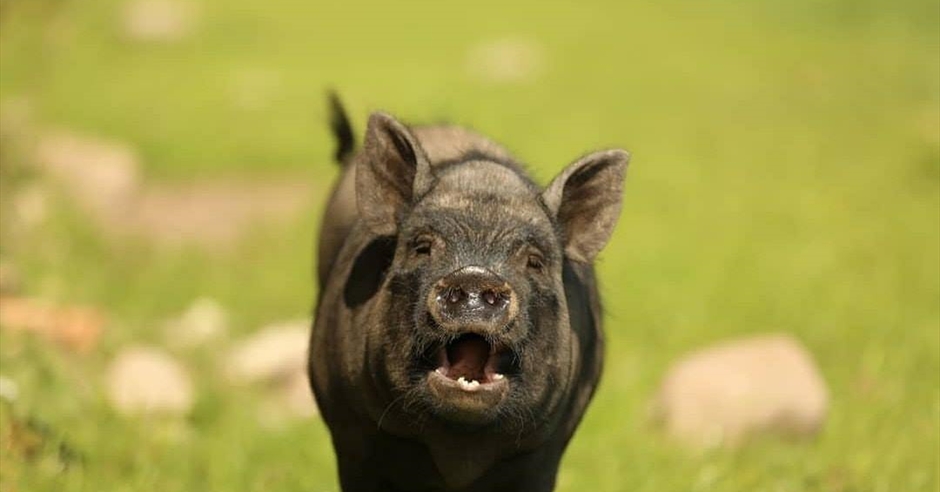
457,339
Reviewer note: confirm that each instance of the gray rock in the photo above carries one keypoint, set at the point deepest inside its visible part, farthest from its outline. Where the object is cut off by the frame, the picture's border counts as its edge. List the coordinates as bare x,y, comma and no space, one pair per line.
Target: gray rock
723,394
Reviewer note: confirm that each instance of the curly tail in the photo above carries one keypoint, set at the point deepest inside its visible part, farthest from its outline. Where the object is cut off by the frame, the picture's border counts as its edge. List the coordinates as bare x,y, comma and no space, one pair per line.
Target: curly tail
342,130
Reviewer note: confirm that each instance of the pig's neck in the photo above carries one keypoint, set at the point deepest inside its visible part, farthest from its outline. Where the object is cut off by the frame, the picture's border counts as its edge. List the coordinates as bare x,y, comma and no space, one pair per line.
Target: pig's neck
462,460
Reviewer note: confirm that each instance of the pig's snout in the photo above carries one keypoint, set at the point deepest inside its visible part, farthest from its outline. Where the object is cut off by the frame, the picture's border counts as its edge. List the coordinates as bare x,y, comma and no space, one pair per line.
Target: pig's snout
472,298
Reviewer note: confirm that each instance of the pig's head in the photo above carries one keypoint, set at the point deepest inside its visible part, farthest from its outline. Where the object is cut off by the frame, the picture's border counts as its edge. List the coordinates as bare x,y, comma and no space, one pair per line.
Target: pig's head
469,323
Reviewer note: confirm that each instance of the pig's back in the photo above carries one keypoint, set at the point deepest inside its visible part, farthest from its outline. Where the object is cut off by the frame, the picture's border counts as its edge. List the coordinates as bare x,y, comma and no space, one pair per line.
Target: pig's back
447,143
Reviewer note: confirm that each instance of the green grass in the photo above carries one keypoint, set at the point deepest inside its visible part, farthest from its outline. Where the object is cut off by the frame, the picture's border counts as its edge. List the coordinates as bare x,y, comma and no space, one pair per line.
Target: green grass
786,177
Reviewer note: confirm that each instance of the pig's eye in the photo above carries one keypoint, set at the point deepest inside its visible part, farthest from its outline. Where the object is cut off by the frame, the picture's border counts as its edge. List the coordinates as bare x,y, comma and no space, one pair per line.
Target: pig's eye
536,262
422,246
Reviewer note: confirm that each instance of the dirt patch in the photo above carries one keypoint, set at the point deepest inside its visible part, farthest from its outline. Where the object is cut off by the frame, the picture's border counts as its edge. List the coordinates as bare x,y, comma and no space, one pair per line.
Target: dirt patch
213,213
103,178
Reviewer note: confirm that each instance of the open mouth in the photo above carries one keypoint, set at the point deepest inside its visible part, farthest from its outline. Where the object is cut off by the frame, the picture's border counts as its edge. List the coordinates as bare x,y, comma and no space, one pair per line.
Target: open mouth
470,376
474,363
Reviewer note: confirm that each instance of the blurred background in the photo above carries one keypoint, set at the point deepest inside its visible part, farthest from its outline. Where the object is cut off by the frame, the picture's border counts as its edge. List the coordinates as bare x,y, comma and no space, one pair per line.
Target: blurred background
164,164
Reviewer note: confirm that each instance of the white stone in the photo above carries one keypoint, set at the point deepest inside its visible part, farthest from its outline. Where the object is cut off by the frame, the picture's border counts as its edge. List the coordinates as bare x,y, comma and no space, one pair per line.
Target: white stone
159,20
298,396
274,353
203,321
505,61
147,380
725,393
9,390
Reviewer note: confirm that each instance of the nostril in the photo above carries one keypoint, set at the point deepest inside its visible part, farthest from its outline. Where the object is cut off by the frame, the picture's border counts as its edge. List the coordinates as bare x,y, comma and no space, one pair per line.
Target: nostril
490,297
454,295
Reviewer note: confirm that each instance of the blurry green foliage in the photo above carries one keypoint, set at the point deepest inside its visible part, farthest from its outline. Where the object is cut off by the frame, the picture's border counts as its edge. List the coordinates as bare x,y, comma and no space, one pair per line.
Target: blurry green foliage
786,176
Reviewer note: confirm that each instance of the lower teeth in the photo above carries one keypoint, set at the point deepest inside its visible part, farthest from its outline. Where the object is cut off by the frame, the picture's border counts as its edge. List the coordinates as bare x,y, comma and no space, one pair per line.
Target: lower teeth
472,384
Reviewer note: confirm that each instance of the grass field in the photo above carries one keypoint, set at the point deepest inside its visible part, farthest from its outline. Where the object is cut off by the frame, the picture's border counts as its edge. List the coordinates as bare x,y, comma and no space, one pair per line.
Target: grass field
785,177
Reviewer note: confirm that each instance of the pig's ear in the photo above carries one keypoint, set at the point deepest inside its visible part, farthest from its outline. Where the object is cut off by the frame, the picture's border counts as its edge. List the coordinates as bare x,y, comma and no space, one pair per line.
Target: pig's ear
585,199
394,172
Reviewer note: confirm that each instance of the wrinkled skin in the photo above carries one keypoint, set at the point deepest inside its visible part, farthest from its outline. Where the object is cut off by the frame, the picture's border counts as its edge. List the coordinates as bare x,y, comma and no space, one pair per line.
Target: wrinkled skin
441,262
